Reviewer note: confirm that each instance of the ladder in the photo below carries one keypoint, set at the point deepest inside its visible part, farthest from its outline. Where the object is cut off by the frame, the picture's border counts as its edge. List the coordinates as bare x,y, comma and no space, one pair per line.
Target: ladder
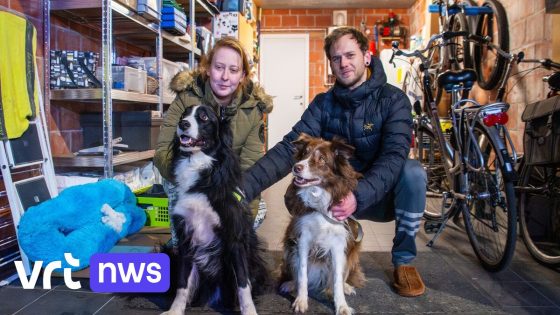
31,154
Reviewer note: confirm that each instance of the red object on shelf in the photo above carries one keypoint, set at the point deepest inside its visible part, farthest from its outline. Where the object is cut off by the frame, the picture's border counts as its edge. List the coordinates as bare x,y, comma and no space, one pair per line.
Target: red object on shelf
386,31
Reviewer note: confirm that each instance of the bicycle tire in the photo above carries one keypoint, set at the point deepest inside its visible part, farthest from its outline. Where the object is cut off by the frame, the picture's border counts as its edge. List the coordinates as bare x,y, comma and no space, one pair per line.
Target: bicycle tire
491,68
460,49
427,152
490,221
472,19
538,231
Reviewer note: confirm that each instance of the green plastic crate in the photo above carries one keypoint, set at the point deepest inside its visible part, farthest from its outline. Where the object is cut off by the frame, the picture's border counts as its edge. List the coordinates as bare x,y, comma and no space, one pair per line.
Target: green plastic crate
157,211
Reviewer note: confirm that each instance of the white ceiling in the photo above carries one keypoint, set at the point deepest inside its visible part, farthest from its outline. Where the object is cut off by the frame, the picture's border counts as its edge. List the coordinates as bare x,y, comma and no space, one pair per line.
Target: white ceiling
334,4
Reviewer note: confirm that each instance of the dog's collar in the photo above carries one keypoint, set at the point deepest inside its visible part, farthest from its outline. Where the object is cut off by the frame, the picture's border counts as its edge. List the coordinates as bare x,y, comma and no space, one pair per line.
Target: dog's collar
237,195
357,238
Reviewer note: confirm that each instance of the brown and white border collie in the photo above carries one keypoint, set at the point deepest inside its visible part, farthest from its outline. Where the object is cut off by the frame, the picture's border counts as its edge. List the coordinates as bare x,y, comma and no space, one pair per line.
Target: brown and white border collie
320,253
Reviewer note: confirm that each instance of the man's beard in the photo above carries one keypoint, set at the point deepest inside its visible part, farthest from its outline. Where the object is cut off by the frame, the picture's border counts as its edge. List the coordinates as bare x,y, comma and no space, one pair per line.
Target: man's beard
355,80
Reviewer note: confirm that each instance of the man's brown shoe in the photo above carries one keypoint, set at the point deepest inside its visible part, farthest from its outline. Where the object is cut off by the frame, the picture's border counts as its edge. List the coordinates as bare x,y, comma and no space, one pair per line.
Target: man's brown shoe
408,281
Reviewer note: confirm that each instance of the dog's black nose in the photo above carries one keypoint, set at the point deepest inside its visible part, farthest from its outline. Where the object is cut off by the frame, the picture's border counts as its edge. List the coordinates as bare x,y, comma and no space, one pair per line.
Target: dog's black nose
184,124
298,168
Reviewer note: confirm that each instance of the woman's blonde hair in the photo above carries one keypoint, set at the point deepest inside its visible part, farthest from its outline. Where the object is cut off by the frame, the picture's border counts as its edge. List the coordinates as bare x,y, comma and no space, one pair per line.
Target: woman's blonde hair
226,42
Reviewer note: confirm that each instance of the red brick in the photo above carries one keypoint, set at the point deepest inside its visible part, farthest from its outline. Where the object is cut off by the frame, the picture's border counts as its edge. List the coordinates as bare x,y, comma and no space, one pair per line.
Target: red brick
280,11
323,21
27,7
267,12
289,21
519,30
535,29
316,56
297,11
68,39
271,21
58,144
306,21
314,11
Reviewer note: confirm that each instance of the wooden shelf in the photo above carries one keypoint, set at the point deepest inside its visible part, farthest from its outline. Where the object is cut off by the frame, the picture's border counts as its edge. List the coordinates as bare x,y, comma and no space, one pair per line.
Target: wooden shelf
99,161
94,95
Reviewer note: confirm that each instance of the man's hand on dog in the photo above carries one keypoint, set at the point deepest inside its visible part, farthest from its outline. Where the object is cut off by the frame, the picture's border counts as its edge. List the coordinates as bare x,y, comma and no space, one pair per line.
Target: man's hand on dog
345,208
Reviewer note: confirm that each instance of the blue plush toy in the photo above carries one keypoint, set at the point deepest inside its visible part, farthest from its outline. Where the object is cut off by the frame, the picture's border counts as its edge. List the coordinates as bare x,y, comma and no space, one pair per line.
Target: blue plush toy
83,220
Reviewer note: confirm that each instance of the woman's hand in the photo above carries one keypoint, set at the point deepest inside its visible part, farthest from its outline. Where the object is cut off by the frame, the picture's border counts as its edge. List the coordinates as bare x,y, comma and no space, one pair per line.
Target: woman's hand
344,208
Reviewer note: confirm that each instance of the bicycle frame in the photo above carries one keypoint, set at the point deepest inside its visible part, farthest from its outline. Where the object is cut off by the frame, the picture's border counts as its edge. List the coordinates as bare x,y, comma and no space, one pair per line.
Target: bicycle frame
464,119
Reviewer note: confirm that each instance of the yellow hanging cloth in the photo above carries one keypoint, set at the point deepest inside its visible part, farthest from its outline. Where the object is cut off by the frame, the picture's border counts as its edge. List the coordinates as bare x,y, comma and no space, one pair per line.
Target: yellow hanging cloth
18,88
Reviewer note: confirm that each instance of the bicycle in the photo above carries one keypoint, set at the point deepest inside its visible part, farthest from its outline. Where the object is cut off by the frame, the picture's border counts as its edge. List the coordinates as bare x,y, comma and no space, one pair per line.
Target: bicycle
489,19
470,165
539,183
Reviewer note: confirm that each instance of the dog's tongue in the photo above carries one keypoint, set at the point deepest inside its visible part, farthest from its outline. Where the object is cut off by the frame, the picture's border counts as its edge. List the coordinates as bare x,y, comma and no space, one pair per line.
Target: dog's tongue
188,141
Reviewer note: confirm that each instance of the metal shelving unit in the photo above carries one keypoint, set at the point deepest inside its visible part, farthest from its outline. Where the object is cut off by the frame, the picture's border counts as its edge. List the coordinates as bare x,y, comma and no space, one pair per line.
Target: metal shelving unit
116,21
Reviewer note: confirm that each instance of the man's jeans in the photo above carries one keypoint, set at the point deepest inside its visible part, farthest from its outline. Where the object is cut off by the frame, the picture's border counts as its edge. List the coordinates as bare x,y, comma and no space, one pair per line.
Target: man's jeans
405,204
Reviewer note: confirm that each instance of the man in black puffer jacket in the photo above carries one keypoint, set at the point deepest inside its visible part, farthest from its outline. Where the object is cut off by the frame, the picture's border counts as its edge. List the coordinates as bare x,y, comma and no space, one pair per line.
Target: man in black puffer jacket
375,118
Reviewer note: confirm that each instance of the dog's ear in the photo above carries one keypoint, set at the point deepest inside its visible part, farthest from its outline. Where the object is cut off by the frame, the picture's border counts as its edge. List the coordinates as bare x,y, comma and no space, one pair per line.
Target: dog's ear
301,141
340,148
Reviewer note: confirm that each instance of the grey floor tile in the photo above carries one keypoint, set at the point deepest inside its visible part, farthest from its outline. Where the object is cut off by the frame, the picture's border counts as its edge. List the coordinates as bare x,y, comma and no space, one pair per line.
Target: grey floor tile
551,290
475,272
533,271
532,310
66,302
513,293
14,298
136,304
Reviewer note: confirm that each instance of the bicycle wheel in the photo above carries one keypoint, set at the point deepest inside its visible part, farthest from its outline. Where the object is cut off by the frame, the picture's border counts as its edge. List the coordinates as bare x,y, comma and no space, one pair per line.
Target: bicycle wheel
489,64
472,19
539,213
459,47
431,157
490,216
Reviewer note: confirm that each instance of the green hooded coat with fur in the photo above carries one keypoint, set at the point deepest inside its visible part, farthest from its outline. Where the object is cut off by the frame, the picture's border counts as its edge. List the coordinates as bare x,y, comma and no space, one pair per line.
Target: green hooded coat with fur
247,108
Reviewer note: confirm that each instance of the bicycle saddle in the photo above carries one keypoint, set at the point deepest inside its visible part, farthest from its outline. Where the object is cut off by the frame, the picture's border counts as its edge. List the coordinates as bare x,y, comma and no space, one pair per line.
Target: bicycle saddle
449,79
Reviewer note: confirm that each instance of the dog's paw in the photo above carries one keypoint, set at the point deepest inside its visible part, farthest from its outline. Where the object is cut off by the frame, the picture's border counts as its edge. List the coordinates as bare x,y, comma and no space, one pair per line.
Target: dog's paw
344,310
300,304
171,312
112,218
248,310
349,290
287,287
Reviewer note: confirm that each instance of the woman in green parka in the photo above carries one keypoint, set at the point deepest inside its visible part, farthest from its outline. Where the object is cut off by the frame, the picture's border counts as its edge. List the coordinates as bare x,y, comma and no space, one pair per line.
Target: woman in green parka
221,82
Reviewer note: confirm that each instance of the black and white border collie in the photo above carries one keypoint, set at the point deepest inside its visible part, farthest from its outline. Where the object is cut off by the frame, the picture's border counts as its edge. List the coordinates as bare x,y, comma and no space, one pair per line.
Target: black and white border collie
321,253
220,256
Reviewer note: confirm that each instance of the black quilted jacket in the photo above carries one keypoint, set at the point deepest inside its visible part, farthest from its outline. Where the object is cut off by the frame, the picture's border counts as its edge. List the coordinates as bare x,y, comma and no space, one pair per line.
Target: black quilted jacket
375,118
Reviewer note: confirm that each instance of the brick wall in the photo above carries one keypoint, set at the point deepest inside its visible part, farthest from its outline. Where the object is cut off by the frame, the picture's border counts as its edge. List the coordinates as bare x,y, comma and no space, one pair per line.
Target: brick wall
530,31
315,22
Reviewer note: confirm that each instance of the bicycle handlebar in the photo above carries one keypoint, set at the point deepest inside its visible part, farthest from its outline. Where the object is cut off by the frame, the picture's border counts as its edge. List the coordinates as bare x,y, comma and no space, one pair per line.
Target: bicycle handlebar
419,53
547,63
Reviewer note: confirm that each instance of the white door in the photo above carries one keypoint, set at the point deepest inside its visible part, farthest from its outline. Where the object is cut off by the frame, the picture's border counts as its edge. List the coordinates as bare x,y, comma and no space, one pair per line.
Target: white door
284,75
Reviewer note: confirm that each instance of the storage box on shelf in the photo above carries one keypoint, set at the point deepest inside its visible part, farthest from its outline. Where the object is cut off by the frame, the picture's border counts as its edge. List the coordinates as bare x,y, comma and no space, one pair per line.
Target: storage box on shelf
131,4
127,79
138,129
170,69
149,9
174,20
73,69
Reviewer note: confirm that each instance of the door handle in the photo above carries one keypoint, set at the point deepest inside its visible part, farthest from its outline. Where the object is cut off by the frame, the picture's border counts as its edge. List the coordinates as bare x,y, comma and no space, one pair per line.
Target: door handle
298,97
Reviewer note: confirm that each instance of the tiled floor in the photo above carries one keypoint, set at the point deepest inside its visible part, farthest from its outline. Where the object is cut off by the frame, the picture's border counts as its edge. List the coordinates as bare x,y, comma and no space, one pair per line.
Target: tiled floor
455,281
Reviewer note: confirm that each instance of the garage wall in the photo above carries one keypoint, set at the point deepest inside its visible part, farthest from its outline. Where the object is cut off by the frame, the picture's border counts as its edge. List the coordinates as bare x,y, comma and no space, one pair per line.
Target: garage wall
315,23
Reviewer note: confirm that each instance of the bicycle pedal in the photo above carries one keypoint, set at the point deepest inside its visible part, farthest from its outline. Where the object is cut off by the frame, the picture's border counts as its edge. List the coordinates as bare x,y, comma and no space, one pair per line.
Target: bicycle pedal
431,227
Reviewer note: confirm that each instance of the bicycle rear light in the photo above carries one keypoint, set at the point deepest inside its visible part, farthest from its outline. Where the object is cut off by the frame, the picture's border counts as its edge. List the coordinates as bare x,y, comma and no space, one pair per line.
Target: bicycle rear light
500,118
